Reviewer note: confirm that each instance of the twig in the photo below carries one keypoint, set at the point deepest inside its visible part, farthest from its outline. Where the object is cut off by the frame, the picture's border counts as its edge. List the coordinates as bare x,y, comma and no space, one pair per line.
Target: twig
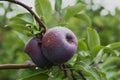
72,74
71,70
31,11
80,73
16,66
64,70
66,67
95,64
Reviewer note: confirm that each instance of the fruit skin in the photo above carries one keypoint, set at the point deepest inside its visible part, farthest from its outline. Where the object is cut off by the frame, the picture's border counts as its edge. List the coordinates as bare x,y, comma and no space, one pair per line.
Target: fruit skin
33,49
59,44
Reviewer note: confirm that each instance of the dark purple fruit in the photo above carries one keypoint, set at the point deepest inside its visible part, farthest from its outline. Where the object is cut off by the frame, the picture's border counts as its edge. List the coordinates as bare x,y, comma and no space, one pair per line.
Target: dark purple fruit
59,44
33,49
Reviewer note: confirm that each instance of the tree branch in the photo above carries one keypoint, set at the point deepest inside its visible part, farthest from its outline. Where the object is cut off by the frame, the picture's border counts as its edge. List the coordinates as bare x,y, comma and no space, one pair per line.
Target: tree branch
16,66
41,24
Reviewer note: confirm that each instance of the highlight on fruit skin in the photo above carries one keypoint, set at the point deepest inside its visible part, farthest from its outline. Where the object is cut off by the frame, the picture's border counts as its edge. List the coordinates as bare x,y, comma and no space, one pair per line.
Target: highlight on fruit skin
33,49
59,45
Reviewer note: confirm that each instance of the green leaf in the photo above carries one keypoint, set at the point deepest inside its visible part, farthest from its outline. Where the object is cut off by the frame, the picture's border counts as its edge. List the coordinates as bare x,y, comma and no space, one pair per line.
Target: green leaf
82,45
20,22
112,61
95,51
70,11
20,28
16,20
43,9
85,71
23,37
73,60
23,23
93,38
40,76
26,17
58,4
88,71
115,76
97,20
114,45
104,53
102,74
84,17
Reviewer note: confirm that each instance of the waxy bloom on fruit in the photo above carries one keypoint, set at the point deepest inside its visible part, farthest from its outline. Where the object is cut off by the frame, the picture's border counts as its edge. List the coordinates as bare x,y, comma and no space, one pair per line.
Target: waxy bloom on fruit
33,49
59,44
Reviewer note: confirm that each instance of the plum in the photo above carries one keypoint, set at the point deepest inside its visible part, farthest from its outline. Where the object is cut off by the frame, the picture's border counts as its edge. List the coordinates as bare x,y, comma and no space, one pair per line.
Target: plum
33,49
59,44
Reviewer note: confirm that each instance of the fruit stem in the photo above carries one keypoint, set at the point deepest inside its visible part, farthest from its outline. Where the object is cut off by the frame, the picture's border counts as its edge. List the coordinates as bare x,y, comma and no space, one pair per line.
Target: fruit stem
41,24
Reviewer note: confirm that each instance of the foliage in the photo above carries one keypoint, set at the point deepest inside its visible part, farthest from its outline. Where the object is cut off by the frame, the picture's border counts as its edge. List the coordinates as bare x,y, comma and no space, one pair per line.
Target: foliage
98,53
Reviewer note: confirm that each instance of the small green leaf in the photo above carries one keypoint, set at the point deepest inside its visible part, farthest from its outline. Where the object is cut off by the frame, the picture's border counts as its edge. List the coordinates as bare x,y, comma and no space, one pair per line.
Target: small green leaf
84,17
43,9
93,38
70,11
73,60
97,20
20,28
58,4
36,32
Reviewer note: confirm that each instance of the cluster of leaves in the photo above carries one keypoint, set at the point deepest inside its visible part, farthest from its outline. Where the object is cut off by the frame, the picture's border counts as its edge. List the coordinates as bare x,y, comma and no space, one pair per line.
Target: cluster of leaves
94,58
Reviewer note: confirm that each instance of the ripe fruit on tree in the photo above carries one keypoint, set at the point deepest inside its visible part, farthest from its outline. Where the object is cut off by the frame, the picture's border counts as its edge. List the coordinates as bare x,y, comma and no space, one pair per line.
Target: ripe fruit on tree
33,49
59,44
